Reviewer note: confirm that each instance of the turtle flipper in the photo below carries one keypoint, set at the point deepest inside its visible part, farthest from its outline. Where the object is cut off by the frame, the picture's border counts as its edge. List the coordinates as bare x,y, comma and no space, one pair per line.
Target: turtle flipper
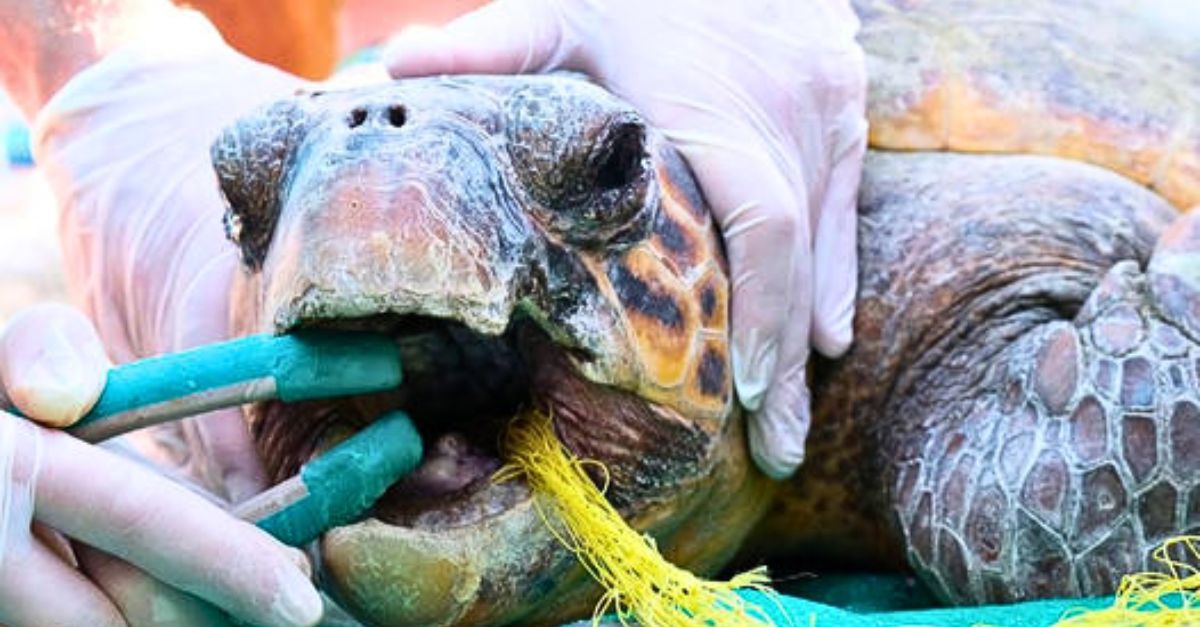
1074,454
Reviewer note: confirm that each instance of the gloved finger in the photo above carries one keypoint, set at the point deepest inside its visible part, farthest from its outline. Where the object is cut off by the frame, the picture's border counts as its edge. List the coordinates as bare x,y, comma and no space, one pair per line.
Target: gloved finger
835,242
36,586
173,534
765,228
143,600
222,442
763,218
56,542
52,364
835,253
779,430
502,37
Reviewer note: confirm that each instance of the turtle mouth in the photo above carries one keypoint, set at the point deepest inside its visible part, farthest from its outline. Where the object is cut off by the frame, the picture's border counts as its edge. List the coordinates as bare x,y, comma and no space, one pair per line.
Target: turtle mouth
461,388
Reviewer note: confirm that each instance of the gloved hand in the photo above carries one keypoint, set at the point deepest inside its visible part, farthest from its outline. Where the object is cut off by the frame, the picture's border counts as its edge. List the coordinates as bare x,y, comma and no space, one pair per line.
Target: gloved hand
125,145
766,100
145,550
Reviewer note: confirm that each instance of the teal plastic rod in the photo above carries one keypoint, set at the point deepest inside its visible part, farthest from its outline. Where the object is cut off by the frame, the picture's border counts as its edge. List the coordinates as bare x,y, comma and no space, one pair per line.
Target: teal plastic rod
297,367
339,485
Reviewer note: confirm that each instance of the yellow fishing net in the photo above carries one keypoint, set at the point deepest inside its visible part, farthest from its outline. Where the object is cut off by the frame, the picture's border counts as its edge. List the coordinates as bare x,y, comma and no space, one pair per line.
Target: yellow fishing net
1154,599
638,582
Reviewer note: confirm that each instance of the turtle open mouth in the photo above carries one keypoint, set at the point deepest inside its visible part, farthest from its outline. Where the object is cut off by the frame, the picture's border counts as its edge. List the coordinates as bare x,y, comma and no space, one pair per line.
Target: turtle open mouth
461,388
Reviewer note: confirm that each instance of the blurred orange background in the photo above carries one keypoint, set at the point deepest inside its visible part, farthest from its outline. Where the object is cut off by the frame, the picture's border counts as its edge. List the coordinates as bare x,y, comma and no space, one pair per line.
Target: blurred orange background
308,37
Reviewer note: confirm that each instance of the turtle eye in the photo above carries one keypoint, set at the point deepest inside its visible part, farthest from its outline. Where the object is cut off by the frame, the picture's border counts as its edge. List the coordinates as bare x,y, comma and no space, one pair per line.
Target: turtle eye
618,185
582,158
252,159
602,186
623,160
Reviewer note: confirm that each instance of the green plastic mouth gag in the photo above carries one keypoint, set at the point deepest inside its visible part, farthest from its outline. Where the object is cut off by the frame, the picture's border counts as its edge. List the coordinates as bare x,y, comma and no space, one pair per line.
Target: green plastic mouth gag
330,490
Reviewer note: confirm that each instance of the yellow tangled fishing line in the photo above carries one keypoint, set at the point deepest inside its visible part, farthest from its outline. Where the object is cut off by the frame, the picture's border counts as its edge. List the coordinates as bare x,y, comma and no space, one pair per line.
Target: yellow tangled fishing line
1154,599
638,582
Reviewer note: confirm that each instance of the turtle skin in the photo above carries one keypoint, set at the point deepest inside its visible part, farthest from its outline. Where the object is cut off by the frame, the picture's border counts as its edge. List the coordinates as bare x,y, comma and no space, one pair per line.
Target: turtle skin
1018,415
1108,82
1029,433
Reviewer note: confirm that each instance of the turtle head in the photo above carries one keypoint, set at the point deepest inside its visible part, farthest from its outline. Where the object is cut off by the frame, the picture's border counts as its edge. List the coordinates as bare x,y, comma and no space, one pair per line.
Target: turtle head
530,243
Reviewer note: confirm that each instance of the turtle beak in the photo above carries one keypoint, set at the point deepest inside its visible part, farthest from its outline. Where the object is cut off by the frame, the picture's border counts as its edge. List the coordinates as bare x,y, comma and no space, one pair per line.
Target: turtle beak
406,216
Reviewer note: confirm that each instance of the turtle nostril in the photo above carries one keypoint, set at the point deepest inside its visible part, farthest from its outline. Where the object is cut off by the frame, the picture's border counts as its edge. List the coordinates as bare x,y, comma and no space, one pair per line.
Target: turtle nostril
396,115
357,117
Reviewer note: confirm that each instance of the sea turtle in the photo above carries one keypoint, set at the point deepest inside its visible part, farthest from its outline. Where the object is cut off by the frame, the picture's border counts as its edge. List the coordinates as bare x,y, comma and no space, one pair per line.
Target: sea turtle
527,241
1019,415
1020,375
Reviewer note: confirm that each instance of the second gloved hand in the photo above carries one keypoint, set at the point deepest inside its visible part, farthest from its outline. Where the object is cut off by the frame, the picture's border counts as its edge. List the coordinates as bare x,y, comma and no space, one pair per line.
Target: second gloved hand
88,537
766,100
125,146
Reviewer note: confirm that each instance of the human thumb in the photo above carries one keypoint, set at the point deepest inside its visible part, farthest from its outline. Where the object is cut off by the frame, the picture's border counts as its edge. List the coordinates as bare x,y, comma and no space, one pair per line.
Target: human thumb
503,37
52,364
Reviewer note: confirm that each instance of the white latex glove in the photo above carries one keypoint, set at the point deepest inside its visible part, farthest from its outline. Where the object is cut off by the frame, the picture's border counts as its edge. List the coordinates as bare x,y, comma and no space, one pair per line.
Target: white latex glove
125,145
766,100
144,550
